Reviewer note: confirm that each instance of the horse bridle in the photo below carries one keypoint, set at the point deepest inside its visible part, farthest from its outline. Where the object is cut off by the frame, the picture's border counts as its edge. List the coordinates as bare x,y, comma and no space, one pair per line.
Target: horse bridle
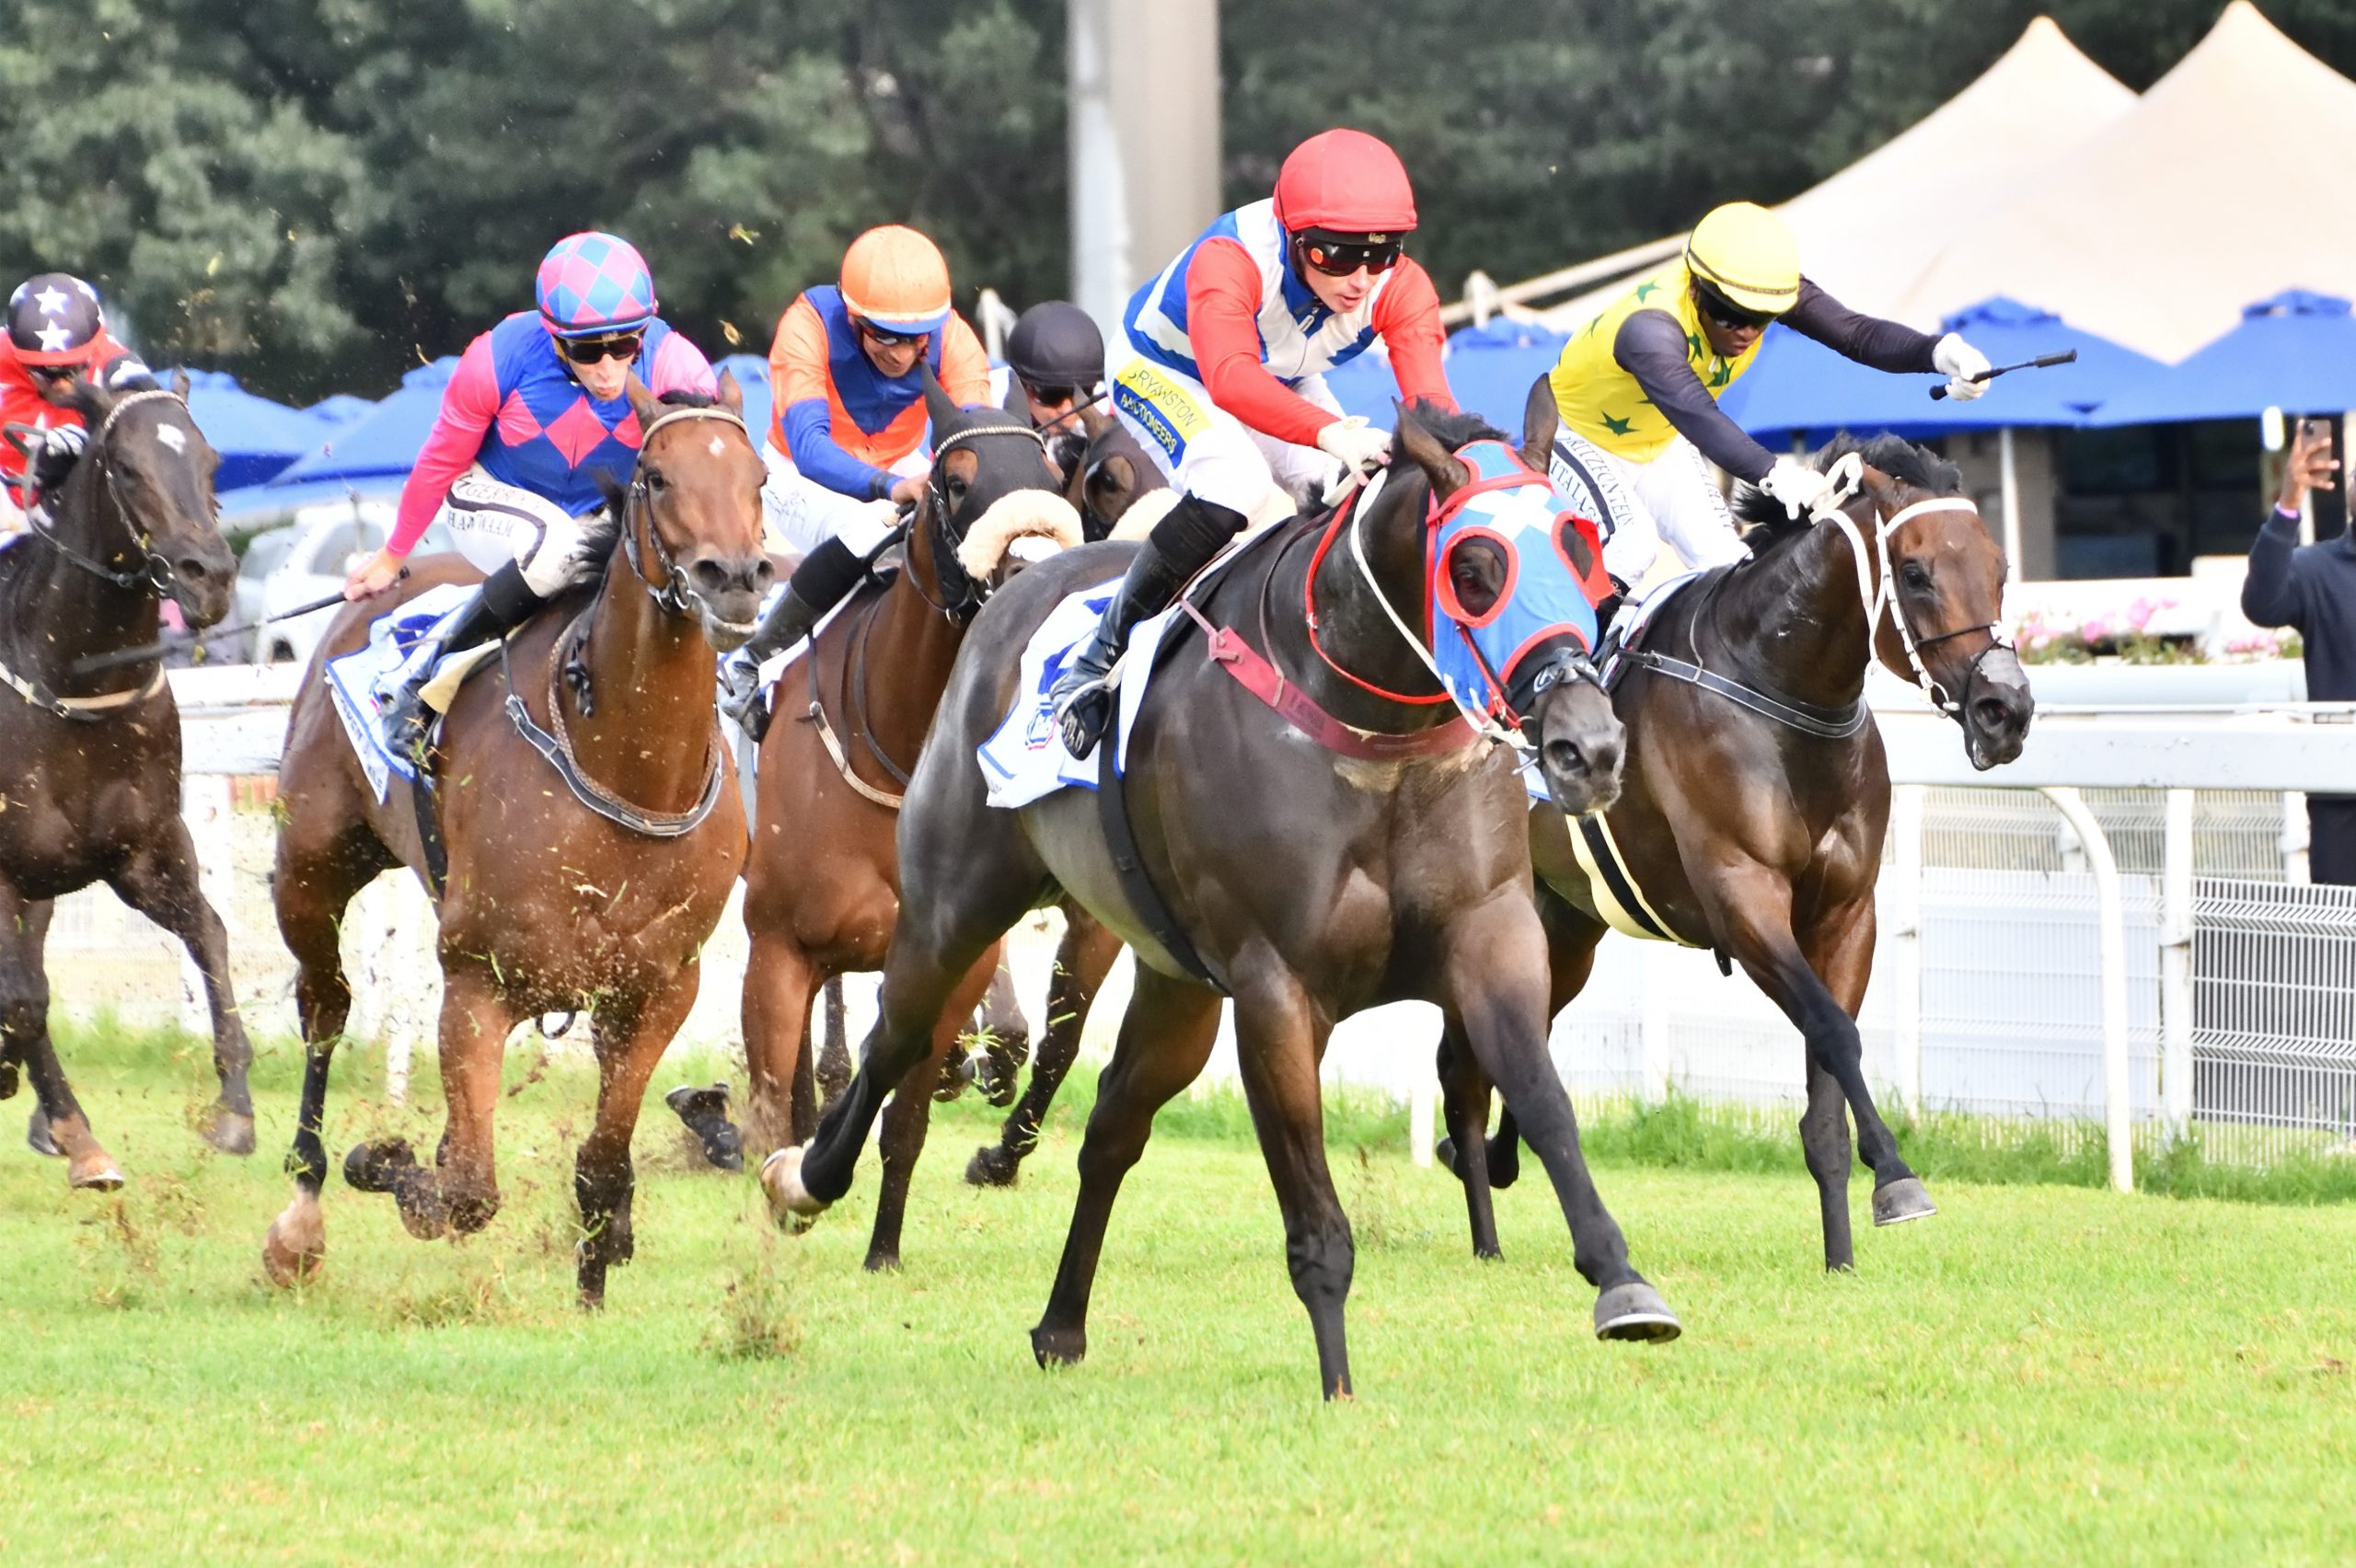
1848,477
1566,665
674,593
155,572
961,605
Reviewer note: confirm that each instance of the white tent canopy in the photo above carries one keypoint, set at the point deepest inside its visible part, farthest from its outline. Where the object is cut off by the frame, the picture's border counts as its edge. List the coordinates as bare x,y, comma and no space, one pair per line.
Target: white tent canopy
1869,233
2223,184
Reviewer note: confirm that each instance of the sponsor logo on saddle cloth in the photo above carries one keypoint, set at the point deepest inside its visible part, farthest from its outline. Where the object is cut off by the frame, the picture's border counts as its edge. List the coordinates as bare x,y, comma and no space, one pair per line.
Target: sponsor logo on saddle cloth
1552,577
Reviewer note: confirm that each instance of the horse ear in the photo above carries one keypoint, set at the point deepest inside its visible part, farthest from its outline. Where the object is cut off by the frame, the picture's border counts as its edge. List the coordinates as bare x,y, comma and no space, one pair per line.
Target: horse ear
939,405
732,397
1446,473
1539,419
180,383
641,401
89,400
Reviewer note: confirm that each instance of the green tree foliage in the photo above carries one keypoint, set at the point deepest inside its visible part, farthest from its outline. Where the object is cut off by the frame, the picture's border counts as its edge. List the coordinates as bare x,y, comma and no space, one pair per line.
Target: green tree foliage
319,193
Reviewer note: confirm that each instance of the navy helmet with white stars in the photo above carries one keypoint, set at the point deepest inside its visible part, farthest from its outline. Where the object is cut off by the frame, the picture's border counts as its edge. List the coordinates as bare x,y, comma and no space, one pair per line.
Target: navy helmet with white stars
54,319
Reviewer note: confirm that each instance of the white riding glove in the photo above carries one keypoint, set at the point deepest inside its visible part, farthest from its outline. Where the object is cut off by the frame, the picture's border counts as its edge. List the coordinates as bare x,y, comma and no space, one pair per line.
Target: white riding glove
1797,485
1959,362
67,441
1358,446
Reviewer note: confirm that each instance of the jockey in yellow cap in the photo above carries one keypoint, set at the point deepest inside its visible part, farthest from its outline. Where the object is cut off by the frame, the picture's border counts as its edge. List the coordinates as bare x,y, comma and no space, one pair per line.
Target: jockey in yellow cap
1637,389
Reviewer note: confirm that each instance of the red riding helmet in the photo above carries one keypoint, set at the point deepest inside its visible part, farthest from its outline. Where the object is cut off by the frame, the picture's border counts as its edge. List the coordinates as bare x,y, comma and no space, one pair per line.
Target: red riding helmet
1344,182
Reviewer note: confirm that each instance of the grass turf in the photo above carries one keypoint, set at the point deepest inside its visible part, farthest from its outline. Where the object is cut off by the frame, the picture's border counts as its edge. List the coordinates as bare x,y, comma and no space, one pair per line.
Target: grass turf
2040,1373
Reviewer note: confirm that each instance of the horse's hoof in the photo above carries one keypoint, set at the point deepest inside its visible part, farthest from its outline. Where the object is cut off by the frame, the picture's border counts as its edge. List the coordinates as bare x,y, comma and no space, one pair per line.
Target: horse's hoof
883,1262
992,1166
1058,1347
297,1245
1635,1310
373,1167
38,1139
94,1172
955,1074
1444,1155
1902,1200
231,1131
781,1180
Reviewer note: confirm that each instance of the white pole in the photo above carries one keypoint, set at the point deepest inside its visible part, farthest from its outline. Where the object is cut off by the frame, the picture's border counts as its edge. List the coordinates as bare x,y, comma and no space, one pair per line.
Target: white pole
205,806
2296,869
1423,1112
2010,480
1908,802
2175,966
1657,1006
2111,911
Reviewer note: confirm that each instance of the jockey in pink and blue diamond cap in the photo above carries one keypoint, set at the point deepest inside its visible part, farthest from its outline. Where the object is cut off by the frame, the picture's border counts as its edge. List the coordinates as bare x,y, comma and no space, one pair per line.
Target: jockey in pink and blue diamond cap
534,415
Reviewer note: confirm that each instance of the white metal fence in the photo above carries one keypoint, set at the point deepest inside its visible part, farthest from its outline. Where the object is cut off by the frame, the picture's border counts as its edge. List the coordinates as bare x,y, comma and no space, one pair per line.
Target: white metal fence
2237,1018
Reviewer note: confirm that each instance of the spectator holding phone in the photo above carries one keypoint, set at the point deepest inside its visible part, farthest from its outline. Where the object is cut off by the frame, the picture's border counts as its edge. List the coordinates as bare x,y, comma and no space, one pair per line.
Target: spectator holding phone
2312,590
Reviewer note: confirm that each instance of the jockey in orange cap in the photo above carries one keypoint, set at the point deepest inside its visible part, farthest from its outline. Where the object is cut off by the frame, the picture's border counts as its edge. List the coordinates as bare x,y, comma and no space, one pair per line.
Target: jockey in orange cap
846,445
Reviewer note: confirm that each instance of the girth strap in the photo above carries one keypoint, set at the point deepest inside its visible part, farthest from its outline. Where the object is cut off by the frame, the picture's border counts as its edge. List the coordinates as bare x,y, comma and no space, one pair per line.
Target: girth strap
1808,717
1128,864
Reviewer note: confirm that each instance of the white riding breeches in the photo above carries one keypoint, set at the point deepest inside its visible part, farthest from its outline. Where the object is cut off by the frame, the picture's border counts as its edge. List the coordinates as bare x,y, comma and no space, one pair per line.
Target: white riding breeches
798,514
1203,450
1640,506
492,524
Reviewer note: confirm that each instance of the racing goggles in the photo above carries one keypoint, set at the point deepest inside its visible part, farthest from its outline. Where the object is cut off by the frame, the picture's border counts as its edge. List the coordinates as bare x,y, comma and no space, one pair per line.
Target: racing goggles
1340,255
51,375
622,346
1053,393
1724,312
884,338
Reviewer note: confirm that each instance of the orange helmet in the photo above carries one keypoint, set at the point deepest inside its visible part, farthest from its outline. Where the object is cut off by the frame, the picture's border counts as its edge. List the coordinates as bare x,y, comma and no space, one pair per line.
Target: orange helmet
896,278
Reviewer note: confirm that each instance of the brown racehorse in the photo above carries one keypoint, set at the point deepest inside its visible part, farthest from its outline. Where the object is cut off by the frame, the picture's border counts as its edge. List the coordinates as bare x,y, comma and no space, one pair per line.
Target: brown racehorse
1779,875
94,783
1309,884
822,882
549,905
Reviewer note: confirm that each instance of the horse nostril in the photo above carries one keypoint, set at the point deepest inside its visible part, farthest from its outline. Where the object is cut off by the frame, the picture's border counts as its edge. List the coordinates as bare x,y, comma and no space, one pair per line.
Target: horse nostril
1565,757
1994,714
709,575
764,573
190,569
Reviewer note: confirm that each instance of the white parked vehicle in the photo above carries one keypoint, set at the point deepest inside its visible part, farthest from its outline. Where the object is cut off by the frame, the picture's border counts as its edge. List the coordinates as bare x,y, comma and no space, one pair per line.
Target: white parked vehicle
323,553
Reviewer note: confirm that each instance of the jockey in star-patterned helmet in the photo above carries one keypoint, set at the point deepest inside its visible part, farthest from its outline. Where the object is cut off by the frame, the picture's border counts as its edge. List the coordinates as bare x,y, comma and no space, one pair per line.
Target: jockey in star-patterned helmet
534,416
57,331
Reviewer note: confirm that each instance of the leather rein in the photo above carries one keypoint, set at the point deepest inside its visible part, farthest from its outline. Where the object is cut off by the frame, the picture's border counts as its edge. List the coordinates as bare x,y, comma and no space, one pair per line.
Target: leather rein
154,573
673,594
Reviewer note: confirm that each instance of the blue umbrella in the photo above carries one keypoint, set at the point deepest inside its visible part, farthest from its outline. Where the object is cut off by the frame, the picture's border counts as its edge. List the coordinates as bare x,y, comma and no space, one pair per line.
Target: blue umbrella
1797,385
1489,369
254,436
2296,351
387,439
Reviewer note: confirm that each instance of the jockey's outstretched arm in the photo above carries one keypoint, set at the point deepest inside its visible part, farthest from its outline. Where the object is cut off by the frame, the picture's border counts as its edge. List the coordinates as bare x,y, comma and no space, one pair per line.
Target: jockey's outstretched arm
1651,346
1889,346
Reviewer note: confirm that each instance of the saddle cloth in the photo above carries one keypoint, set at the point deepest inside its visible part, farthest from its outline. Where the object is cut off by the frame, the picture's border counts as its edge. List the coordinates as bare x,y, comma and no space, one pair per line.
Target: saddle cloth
1025,757
362,680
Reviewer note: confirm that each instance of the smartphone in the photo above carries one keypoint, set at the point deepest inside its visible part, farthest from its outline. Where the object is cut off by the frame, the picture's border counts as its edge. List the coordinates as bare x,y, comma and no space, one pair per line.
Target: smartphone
2313,430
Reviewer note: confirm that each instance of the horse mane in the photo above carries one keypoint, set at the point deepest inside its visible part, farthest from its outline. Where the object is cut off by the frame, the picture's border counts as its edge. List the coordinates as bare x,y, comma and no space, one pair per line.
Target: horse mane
1895,456
1453,428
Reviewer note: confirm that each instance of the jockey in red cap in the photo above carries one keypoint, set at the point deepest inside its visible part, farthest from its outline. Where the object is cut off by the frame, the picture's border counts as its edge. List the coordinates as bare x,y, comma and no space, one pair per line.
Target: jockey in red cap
1226,391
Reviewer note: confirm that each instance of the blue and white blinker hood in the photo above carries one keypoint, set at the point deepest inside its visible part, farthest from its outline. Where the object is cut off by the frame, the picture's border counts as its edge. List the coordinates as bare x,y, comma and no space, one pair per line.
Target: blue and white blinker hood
1548,562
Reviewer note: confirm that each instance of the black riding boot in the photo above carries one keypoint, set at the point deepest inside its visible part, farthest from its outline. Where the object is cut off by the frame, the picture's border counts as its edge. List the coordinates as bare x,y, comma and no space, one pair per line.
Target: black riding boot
504,602
1180,545
824,578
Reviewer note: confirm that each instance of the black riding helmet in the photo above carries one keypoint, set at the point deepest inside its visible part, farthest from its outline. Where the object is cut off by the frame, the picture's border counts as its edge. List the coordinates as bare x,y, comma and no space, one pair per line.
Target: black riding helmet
1056,345
54,318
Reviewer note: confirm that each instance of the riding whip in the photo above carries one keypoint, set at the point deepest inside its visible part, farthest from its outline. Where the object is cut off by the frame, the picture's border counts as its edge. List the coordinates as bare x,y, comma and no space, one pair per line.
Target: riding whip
2042,361
94,663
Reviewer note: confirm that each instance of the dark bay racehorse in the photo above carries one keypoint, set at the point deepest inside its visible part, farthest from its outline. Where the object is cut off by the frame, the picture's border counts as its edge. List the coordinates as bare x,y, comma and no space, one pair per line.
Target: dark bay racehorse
1112,472
93,790
1309,883
822,884
1778,874
551,904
